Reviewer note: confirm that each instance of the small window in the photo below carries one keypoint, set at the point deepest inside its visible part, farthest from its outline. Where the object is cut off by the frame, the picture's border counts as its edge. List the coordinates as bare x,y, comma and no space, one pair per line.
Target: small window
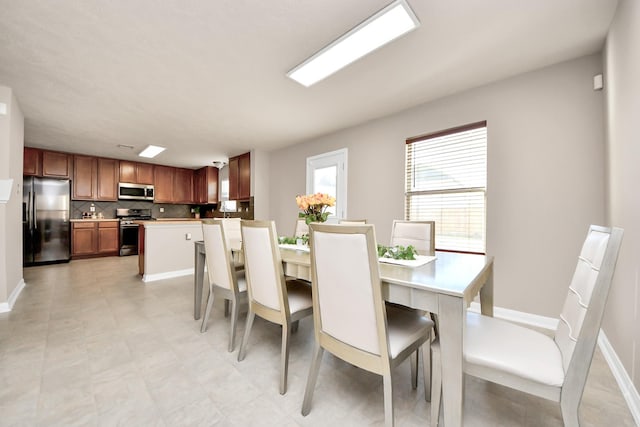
446,181
327,173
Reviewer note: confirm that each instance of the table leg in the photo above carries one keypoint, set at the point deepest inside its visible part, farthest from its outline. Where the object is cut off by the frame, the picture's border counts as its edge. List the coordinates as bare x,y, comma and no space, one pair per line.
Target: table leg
486,296
198,281
451,318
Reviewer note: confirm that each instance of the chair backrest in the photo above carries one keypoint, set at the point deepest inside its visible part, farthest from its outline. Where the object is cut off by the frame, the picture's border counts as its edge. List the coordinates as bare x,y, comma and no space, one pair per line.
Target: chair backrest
220,268
263,265
419,234
301,228
583,308
352,221
347,296
231,230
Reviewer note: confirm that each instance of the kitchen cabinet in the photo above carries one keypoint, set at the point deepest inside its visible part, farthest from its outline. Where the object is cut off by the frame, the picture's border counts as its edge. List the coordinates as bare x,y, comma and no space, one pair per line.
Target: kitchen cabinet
108,233
107,180
205,185
240,177
32,164
44,163
56,165
136,173
94,179
163,183
94,238
183,186
84,178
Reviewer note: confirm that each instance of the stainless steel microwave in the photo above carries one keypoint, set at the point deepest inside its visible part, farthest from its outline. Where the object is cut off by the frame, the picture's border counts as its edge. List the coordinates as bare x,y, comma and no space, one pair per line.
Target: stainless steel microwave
129,191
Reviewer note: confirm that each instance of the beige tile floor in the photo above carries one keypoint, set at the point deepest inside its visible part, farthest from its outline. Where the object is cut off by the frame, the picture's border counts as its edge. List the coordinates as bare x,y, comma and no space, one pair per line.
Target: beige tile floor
88,343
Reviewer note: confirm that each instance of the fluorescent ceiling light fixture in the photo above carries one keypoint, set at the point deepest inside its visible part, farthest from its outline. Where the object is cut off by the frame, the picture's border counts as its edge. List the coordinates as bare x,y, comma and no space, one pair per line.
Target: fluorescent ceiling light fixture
385,26
151,151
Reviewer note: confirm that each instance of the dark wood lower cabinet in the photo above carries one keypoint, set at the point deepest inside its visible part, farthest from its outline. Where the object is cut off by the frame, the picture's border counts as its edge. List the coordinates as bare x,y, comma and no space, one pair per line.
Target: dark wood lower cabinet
94,238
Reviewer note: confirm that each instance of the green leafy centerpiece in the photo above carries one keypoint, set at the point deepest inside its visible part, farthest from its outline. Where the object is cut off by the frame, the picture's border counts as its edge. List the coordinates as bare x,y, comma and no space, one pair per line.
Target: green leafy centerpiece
314,207
397,252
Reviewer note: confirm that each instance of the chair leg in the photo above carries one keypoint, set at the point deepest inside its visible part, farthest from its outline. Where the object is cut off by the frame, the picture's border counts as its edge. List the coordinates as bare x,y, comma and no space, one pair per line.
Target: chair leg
234,320
226,308
436,387
570,415
247,330
316,359
207,312
387,382
294,326
425,349
414,369
284,358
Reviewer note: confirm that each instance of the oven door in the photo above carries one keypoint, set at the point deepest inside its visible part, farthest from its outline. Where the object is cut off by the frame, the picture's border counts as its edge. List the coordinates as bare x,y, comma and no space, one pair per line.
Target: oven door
128,239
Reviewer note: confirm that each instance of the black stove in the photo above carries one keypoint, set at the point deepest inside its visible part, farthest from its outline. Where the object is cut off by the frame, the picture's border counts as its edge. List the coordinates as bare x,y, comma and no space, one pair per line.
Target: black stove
127,216
129,229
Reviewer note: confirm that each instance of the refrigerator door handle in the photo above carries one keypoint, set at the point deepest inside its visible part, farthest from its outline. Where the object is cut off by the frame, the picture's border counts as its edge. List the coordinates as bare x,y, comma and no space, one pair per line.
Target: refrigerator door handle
35,212
29,216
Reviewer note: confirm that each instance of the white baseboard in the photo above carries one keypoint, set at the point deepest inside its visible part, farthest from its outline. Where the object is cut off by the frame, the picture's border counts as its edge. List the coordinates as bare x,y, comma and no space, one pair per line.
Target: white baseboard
629,392
520,317
620,374
167,275
8,306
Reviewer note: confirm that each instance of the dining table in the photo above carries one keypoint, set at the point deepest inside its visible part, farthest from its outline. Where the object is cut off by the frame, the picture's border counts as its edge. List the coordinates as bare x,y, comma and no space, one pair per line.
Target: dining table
445,287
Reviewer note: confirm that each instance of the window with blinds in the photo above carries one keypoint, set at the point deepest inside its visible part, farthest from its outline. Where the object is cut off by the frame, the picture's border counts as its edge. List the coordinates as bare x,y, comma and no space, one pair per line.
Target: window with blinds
446,183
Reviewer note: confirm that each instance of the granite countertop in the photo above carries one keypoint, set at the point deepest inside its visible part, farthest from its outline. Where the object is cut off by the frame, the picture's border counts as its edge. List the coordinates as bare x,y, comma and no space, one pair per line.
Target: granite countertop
169,221
92,219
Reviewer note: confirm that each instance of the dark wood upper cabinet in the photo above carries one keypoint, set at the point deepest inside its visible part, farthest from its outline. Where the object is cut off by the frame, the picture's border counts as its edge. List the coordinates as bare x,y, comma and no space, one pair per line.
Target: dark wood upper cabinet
85,178
240,177
136,173
244,179
144,173
32,162
183,186
163,182
127,171
233,178
56,165
205,185
107,180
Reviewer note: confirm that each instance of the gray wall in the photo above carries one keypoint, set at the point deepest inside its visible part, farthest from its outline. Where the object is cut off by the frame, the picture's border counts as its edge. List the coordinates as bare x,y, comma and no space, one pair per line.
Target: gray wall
11,146
545,174
622,60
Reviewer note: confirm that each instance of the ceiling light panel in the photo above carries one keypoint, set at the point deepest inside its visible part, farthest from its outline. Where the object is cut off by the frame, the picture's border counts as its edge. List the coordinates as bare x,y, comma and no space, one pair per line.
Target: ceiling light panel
385,26
151,151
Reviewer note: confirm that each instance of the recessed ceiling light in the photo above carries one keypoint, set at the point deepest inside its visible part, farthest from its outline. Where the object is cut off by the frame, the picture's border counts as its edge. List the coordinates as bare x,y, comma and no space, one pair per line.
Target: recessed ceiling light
151,151
385,26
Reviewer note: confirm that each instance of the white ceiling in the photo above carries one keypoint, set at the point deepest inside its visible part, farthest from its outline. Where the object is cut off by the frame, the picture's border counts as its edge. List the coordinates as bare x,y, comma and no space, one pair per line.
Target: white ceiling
206,79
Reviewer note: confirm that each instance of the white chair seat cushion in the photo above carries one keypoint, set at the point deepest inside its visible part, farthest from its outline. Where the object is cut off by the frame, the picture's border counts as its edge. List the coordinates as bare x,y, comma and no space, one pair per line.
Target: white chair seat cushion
299,294
405,327
504,346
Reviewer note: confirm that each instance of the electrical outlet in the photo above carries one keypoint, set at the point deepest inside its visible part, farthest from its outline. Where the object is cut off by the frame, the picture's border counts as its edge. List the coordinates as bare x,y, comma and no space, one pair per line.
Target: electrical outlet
187,236
92,208
161,210
193,210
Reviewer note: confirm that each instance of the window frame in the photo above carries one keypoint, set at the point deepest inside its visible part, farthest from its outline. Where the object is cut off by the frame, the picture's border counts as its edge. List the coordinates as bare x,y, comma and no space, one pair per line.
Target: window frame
409,192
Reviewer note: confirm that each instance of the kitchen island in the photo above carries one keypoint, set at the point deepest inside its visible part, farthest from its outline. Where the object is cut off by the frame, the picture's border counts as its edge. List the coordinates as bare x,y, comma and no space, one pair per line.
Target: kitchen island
165,247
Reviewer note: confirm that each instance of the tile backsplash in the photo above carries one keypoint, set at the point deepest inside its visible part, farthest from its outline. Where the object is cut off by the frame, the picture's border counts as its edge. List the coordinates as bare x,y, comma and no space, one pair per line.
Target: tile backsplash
108,209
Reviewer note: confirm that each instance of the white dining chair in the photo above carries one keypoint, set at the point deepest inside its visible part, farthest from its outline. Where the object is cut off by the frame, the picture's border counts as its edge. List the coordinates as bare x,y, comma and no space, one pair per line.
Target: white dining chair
350,318
233,238
352,221
224,281
553,368
301,228
419,234
271,297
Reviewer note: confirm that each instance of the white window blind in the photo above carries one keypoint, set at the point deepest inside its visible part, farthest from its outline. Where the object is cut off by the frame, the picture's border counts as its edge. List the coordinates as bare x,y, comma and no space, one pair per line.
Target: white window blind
446,176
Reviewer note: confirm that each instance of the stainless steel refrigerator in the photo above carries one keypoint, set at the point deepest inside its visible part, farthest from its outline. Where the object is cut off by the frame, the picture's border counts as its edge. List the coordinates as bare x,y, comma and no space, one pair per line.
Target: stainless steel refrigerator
45,220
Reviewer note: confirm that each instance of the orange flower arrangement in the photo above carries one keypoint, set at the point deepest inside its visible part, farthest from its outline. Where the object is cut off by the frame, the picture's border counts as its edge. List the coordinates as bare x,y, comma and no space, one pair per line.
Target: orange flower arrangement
314,207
